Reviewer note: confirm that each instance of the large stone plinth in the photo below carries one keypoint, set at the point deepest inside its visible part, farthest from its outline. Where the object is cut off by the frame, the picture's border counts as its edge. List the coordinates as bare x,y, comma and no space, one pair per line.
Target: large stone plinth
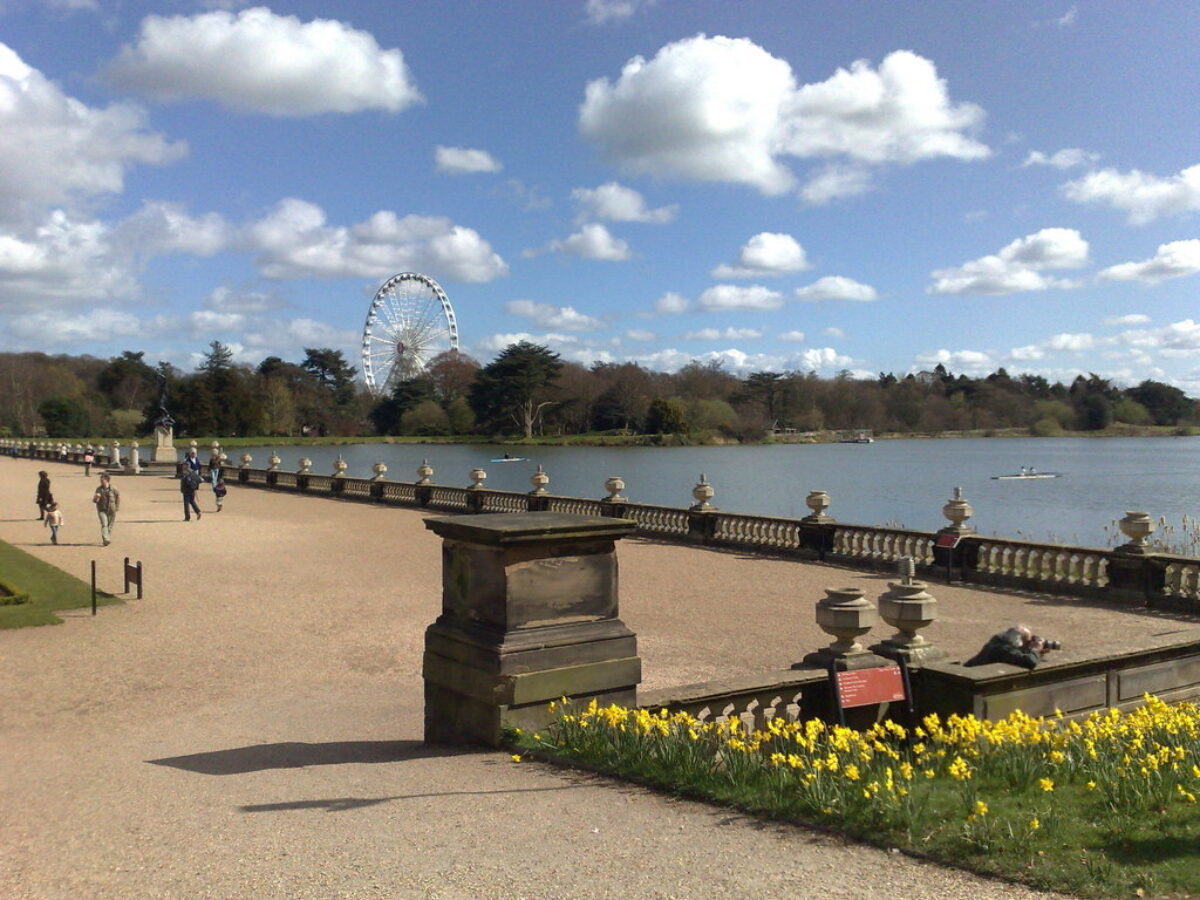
164,445
529,615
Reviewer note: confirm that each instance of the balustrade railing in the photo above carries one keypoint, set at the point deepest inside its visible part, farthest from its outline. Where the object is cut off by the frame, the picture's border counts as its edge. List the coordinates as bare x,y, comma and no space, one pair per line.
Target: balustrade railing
762,531
1121,573
666,520
882,545
577,506
1042,563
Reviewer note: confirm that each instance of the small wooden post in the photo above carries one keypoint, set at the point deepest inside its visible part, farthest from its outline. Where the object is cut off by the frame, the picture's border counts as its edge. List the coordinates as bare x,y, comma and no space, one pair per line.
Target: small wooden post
93,587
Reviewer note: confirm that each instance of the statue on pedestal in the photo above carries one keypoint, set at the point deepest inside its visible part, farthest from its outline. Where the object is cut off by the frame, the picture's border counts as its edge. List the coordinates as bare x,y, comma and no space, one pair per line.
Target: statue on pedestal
164,428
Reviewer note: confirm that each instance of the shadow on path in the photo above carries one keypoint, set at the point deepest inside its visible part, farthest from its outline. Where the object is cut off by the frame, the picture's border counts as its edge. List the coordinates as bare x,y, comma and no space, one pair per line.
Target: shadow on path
341,804
296,754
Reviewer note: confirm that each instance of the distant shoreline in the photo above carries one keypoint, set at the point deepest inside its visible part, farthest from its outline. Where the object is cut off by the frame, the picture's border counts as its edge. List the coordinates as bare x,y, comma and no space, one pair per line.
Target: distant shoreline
643,440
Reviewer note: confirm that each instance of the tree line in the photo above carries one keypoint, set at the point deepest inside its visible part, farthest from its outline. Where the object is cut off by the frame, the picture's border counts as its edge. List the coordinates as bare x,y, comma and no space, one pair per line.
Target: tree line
529,390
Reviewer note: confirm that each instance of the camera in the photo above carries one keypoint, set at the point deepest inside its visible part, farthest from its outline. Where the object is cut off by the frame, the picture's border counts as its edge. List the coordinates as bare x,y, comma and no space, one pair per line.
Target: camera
1051,645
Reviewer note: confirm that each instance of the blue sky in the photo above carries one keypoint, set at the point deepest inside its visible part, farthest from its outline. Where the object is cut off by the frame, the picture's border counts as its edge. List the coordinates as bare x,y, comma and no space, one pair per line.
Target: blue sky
778,185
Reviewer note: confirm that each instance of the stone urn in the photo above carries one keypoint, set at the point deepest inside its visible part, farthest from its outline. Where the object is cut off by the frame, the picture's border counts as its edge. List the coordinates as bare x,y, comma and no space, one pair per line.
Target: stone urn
274,462
380,470
818,502
702,493
958,510
1137,526
539,480
339,468
908,607
846,615
478,477
246,460
424,472
305,466
614,484
192,445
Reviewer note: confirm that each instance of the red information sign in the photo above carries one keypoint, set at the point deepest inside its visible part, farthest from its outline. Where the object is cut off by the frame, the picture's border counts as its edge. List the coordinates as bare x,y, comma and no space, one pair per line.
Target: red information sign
863,686
949,541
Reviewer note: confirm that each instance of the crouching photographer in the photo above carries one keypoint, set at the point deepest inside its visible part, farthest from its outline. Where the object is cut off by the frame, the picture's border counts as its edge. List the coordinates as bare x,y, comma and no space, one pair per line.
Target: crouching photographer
1017,646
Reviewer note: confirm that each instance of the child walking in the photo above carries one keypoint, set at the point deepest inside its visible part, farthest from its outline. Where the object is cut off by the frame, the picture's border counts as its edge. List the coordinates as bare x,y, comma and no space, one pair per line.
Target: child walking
54,519
219,490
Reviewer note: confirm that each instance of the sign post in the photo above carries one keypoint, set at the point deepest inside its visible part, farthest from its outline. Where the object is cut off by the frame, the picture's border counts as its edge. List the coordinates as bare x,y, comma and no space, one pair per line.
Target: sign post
948,541
863,687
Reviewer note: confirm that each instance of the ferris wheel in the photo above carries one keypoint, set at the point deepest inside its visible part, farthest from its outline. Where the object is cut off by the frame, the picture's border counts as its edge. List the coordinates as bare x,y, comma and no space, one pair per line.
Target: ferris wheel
409,322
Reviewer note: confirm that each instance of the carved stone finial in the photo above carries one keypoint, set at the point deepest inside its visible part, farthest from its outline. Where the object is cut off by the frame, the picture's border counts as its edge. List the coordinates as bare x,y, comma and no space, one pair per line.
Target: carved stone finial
908,607
818,502
1137,526
846,615
958,510
246,460
274,461
380,470
703,492
614,484
478,477
339,467
424,472
539,480
305,466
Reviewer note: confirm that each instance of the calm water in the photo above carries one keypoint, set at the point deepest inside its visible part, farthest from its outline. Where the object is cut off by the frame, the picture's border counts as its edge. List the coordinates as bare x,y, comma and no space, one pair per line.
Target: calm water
903,482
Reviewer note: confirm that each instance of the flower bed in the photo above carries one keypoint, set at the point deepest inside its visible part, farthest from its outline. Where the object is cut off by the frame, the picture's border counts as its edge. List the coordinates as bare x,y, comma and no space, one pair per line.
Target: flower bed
1101,806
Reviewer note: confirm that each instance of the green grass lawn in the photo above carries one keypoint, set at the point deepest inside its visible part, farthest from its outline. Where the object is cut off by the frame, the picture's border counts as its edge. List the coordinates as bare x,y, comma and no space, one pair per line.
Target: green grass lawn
49,589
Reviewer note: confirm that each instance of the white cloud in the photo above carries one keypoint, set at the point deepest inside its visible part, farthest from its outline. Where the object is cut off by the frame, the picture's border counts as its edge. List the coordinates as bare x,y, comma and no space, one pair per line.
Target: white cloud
792,337
592,241
765,254
1179,339
257,61
462,161
640,334
95,325
837,287
616,203
1131,319
969,362
1018,266
729,334
547,315
1144,197
834,182
494,343
207,321
1071,342
601,11
62,259
226,300
1069,18
730,296
294,241
167,228
55,149
1067,158
818,358
724,109
1027,353
1174,260
834,332
671,303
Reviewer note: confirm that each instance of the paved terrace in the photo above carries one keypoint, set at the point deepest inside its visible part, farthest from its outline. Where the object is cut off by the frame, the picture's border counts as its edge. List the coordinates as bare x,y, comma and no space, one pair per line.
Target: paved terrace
253,728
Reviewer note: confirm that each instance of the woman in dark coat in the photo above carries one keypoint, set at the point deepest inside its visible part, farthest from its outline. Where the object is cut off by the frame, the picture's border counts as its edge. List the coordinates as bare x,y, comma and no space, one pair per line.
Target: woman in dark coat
44,497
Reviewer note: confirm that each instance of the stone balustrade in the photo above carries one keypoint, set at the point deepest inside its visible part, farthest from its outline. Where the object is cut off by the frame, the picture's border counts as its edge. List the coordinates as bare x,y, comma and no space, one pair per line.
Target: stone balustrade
1130,573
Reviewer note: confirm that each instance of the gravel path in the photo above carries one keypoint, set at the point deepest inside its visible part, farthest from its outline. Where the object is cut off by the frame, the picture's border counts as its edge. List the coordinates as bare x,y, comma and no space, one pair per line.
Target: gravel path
253,727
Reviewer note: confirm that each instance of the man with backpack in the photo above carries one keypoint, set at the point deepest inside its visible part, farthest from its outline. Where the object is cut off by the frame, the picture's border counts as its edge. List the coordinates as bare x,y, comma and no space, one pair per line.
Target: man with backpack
189,483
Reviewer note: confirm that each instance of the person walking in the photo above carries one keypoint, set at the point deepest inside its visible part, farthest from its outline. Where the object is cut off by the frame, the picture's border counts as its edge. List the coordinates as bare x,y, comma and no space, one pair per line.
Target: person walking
107,499
189,483
219,492
54,520
44,496
89,457
214,468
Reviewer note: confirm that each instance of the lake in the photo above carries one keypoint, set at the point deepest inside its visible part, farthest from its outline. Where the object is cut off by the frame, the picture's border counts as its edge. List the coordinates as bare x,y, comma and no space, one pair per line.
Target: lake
900,482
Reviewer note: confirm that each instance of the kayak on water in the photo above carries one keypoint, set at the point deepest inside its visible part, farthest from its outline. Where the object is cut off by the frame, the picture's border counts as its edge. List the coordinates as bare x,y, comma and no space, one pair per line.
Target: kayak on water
511,459
1026,476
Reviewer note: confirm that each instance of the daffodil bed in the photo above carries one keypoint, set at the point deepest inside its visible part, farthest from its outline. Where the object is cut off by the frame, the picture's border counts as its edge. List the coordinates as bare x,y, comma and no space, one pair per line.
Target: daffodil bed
1100,807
